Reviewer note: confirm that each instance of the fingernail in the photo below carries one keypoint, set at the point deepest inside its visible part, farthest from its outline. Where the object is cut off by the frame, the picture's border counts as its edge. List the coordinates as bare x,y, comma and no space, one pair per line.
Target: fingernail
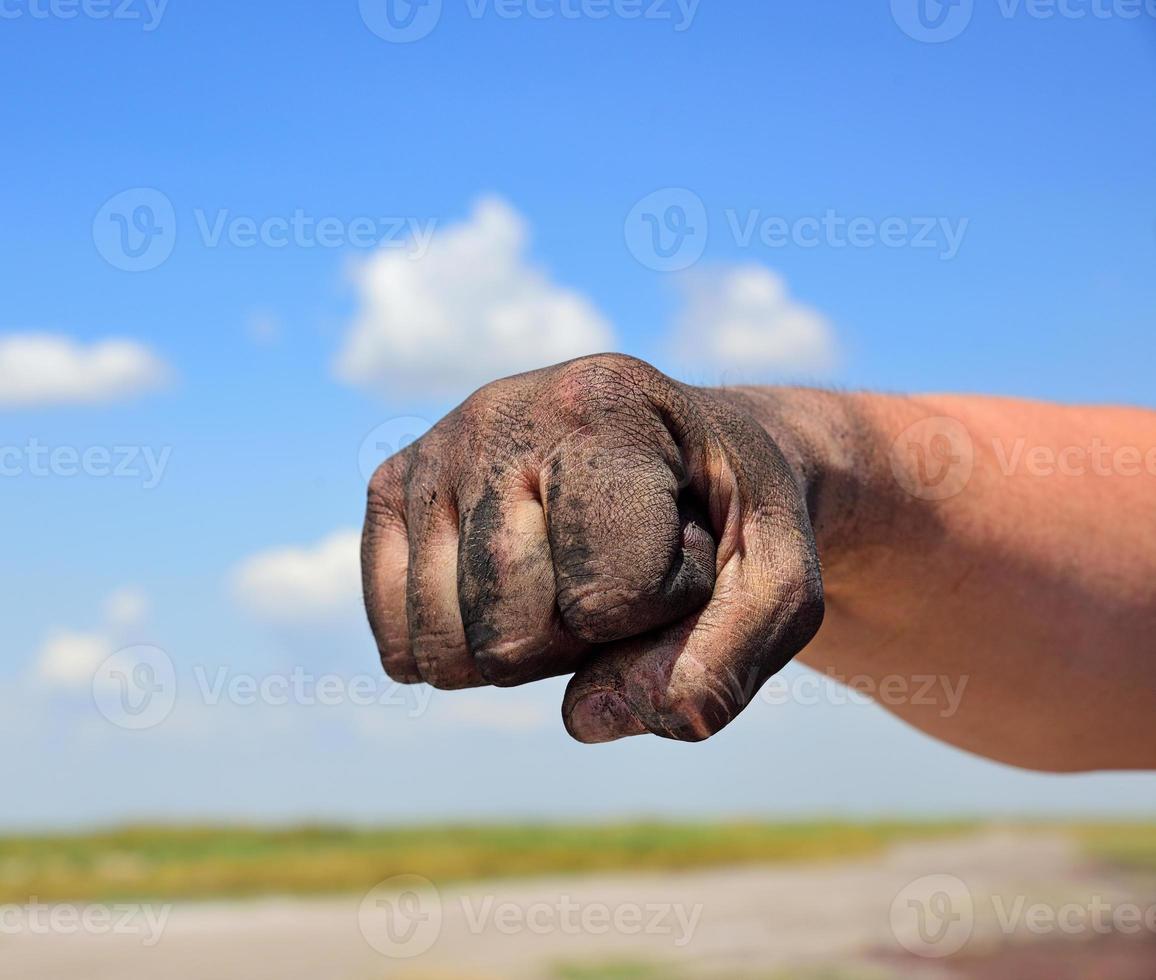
602,717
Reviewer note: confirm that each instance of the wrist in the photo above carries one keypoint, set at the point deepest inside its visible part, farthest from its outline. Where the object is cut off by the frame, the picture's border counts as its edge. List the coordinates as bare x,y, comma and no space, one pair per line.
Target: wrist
828,442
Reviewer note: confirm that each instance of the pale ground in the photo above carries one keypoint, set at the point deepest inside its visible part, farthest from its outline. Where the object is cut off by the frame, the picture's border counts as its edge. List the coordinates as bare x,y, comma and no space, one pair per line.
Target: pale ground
753,922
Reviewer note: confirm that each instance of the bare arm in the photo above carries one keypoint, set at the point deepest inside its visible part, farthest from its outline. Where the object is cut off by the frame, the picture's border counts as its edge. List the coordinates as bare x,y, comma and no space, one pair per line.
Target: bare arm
673,547
1008,545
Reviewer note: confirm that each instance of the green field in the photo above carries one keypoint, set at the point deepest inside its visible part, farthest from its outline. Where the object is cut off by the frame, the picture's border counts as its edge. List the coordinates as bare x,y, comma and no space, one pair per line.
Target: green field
148,862
1124,845
217,862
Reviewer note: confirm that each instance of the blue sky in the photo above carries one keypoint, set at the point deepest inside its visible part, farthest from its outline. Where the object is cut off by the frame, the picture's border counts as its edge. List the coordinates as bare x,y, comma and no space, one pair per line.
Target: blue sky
1010,168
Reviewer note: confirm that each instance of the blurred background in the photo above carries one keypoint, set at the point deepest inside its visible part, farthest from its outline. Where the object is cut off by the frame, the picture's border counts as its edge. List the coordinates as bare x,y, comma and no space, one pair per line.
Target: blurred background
250,250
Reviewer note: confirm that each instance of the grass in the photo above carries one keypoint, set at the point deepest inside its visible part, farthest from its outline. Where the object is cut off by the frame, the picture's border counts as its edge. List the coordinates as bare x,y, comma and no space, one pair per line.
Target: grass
1131,846
210,862
163,863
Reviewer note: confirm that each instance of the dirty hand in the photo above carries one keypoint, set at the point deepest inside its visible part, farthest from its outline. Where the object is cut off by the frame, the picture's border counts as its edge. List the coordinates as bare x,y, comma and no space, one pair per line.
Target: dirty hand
600,519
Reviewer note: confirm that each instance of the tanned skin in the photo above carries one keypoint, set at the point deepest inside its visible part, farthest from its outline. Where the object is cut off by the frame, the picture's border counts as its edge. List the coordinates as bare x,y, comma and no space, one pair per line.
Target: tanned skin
673,547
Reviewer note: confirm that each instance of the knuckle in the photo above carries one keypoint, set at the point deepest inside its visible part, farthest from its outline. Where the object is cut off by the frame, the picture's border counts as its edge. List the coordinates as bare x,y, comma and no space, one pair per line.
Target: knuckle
384,495
486,409
601,380
805,609
474,411
595,610
399,669
384,483
617,365
438,672
491,426
506,663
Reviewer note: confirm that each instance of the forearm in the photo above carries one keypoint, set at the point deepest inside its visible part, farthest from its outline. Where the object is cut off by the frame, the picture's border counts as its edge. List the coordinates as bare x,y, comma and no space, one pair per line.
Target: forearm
1006,549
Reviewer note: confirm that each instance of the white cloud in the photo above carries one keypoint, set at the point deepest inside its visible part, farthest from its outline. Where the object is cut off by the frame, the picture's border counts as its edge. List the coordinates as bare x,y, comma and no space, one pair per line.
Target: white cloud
69,658
126,607
48,369
300,584
742,319
468,310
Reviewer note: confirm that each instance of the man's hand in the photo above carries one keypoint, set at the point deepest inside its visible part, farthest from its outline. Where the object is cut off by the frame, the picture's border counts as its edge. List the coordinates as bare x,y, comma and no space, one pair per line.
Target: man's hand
600,519
661,543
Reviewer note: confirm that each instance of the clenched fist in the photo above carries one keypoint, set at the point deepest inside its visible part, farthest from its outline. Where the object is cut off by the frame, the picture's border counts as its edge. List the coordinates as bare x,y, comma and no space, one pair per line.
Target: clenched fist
597,519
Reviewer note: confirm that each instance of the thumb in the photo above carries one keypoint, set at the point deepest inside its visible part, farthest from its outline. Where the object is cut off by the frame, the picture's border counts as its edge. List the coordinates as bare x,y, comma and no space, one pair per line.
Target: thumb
689,680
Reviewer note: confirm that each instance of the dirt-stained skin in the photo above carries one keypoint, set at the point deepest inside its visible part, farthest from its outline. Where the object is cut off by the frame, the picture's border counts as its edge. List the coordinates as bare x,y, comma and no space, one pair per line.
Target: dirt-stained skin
600,519
661,543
